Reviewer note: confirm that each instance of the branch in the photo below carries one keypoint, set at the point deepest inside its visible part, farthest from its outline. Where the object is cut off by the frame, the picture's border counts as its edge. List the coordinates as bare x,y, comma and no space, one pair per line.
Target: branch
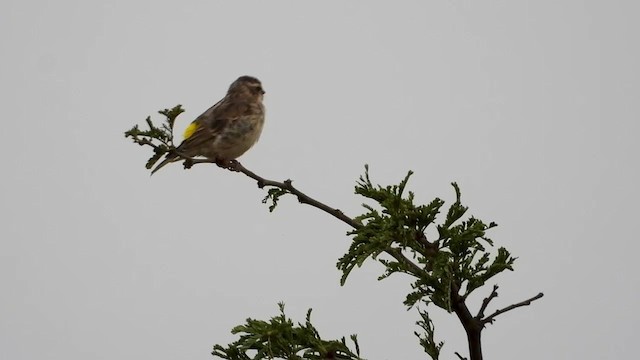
397,254
285,185
485,302
489,319
460,356
305,199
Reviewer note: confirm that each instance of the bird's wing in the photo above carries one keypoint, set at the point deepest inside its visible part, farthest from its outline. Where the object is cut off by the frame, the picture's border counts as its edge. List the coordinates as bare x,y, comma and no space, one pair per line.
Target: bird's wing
211,123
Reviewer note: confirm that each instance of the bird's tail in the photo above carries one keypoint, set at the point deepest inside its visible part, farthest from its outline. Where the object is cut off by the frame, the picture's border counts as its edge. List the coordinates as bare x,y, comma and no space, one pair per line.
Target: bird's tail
168,160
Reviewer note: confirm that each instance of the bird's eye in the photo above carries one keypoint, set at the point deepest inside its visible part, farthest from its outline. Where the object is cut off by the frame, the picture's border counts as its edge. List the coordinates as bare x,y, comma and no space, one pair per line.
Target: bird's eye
260,90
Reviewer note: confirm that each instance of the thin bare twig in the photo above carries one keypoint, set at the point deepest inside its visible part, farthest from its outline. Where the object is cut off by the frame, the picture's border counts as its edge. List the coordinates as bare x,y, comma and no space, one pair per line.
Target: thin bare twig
485,302
489,319
460,356
285,185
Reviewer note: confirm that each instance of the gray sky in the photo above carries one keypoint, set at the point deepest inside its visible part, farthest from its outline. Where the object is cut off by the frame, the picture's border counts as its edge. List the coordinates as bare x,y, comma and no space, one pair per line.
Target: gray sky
531,106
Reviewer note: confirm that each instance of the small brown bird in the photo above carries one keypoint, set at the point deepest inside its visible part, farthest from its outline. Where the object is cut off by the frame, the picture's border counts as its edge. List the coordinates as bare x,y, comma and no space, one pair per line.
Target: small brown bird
227,129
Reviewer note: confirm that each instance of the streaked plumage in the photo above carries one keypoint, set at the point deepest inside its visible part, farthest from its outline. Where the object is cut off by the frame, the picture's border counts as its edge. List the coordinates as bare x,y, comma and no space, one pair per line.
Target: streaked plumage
227,129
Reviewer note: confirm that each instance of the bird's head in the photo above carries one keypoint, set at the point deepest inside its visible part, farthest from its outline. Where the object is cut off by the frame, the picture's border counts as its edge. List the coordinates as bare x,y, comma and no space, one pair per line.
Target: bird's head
246,87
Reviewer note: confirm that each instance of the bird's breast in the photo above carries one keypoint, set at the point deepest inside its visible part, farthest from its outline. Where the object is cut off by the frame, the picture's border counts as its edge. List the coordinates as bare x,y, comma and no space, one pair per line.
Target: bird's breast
239,136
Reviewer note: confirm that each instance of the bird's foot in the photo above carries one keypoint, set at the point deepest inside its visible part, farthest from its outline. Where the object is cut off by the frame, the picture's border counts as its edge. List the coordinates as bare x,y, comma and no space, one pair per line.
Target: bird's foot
227,164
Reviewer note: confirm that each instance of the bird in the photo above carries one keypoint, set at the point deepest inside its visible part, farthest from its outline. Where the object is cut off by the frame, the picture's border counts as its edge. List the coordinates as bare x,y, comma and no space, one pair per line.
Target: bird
227,129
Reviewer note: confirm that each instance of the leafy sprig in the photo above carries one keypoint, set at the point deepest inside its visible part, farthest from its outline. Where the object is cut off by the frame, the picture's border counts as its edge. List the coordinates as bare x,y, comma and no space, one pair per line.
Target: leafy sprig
160,138
279,338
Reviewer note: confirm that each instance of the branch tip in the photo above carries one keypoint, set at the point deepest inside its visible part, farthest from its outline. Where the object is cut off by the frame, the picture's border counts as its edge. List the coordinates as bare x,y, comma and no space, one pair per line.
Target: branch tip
491,318
486,301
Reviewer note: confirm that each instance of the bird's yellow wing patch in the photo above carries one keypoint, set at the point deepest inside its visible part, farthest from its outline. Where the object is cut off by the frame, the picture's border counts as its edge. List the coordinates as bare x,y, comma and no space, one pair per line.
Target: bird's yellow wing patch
190,130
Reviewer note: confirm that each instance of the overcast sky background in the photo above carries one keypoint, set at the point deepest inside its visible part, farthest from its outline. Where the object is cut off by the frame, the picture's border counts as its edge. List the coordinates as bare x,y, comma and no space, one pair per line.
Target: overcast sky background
531,106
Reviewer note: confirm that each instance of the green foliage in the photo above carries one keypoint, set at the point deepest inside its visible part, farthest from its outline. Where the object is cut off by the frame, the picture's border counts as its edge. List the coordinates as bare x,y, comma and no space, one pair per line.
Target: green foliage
426,340
159,138
279,338
274,195
445,270
457,260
